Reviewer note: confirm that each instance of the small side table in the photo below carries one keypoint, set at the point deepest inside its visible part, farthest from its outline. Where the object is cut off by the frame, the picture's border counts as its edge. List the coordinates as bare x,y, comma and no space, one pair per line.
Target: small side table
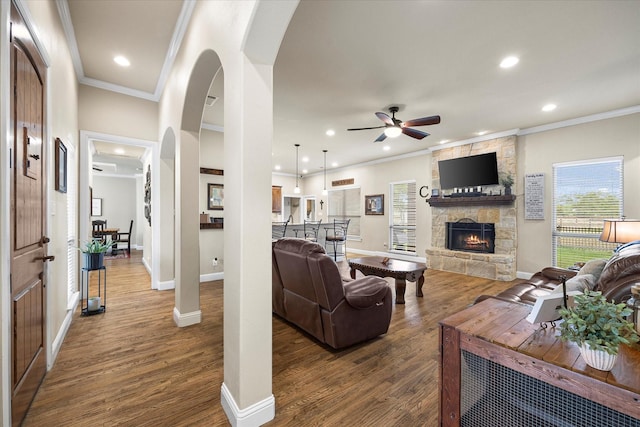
102,291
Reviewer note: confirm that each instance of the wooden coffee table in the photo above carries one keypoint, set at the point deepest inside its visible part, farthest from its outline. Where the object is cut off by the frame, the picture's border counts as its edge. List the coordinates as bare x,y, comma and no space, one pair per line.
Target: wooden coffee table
398,269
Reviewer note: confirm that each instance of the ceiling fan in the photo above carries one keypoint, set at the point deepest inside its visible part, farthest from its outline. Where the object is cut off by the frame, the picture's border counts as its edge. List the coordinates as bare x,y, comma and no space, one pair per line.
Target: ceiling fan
394,127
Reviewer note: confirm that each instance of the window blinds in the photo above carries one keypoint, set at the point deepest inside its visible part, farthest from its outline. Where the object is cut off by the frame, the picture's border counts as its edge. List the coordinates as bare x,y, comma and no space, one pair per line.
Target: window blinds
584,194
403,217
345,204
72,225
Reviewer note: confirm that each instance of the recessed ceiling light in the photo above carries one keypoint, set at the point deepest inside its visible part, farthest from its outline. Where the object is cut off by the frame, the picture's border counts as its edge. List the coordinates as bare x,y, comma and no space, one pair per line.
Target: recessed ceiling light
549,107
121,61
444,141
304,171
334,164
330,132
305,159
386,148
509,62
118,151
482,132
277,167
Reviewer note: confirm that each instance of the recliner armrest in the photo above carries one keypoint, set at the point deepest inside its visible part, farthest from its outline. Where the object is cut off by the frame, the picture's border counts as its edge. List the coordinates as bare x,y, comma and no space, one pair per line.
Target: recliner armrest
366,291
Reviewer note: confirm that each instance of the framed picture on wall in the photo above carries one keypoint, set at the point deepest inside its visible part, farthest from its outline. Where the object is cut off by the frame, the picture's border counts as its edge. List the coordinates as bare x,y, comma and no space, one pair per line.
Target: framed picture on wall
215,197
96,207
374,205
61,166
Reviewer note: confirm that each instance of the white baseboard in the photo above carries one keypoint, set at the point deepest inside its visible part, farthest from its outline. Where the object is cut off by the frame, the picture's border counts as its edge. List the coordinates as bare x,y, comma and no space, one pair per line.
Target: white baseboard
255,415
188,319
167,285
146,265
388,254
56,345
209,277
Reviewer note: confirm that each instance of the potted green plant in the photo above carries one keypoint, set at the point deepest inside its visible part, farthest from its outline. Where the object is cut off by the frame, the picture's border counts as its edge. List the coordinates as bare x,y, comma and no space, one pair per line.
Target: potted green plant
598,327
507,182
93,253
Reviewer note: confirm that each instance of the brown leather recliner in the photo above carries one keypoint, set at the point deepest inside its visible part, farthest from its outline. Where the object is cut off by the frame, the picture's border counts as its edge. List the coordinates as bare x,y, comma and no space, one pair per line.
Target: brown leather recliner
620,272
309,292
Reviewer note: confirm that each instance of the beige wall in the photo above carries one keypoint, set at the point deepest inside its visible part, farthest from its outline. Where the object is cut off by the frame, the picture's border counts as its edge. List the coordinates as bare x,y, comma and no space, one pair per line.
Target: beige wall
375,179
536,153
116,114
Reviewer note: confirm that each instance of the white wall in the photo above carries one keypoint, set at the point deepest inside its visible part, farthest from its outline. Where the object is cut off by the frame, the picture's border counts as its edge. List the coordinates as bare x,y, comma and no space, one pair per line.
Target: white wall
119,200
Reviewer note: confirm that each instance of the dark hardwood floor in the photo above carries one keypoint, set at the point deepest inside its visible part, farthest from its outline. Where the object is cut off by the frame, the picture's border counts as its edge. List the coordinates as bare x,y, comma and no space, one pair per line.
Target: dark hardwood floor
131,366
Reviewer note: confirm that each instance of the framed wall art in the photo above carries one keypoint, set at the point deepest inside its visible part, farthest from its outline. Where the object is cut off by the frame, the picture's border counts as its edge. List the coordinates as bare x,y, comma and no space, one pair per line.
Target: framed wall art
374,205
215,197
61,166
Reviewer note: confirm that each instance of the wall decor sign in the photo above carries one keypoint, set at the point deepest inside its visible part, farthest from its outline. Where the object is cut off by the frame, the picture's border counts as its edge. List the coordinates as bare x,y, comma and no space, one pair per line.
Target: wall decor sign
61,166
374,204
215,197
348,181
534,196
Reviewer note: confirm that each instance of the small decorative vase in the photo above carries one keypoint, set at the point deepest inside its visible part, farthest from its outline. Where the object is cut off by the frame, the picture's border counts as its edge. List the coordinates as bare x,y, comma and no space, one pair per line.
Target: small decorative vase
507,191
598,359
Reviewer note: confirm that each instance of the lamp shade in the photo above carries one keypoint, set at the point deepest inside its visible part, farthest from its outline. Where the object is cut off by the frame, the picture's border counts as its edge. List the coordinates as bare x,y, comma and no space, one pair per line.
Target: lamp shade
620,231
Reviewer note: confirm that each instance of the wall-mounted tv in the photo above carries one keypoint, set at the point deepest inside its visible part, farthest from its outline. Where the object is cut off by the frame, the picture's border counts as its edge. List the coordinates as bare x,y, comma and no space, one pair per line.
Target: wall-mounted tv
468,171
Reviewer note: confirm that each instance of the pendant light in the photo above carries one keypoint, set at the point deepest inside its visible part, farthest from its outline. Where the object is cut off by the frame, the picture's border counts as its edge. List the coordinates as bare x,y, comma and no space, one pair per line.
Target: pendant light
325,192
297,189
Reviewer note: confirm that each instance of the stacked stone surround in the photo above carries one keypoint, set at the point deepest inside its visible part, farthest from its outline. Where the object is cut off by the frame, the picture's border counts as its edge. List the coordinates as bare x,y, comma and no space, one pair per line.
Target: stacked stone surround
500,265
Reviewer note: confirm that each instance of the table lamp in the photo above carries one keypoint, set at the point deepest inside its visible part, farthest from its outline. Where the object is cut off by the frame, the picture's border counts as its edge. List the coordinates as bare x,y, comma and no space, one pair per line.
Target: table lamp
620,230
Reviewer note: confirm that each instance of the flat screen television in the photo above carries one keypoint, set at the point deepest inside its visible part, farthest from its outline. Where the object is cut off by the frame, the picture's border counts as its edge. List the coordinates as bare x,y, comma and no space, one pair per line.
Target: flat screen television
469,171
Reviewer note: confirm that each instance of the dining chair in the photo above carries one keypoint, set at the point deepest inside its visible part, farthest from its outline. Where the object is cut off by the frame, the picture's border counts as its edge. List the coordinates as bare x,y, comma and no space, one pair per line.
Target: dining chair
98,229
337,237
123,238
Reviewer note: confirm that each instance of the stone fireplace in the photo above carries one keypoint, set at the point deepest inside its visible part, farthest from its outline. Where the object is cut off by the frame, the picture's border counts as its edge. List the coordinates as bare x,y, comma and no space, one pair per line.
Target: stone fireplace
500,211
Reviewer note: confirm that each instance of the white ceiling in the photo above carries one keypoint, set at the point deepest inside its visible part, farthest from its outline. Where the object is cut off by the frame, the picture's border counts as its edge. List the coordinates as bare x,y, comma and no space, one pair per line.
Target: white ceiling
341,61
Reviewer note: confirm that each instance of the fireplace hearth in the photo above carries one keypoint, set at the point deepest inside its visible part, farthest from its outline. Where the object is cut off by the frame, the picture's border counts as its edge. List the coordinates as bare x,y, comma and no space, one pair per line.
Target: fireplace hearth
470,236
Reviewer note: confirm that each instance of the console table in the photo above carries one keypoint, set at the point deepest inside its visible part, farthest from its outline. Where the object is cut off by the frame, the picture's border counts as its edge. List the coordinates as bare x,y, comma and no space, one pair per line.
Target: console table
496,368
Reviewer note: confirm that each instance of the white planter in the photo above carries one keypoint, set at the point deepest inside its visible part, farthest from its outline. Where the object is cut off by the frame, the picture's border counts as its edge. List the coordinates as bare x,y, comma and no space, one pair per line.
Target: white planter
598,359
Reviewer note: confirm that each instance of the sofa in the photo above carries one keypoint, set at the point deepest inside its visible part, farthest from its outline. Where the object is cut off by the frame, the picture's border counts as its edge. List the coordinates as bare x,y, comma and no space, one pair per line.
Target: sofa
309,291
612,277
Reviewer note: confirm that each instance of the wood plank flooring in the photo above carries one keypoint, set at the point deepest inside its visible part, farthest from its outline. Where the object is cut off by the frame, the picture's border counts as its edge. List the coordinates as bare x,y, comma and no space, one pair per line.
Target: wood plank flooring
131,366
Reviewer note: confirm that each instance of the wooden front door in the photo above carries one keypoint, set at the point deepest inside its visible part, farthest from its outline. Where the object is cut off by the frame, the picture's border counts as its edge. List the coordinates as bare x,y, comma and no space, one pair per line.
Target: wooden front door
28,244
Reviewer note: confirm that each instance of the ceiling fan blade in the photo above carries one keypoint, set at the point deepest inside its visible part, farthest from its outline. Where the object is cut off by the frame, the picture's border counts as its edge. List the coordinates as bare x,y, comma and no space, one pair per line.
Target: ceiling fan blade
385,118
433,120
414,133
376,127
381,138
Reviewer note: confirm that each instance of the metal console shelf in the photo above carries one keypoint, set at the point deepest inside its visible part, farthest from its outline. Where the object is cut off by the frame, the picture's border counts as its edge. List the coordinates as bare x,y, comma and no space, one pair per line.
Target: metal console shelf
85,285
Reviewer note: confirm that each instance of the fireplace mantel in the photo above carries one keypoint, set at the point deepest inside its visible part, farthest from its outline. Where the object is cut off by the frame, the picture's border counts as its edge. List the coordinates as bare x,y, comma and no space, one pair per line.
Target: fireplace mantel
445,202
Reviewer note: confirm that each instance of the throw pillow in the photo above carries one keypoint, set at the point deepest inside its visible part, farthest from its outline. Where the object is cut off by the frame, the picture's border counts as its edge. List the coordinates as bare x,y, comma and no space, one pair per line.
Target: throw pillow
595,267
577,283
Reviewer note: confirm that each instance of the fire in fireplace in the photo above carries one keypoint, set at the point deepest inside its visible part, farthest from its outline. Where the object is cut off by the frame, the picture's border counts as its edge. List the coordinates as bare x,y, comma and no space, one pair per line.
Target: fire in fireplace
468,235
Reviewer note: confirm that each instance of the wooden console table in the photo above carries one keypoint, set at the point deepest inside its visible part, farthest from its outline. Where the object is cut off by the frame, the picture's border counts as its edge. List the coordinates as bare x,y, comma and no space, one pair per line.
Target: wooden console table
496,333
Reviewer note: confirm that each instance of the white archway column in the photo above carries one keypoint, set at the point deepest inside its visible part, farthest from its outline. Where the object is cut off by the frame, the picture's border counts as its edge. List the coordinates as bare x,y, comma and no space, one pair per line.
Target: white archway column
187,251
246,392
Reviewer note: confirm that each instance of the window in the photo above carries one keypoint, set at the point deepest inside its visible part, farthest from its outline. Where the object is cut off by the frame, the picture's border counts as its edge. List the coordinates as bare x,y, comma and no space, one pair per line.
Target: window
584,194
402,236
345,204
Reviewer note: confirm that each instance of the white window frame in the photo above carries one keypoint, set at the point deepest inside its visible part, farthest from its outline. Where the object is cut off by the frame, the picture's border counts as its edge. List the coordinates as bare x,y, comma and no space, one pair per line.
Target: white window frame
409,225
72,227
586,230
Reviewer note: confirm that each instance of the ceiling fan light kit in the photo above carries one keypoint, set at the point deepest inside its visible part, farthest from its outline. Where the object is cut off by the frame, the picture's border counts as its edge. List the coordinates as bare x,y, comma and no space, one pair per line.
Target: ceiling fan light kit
394,127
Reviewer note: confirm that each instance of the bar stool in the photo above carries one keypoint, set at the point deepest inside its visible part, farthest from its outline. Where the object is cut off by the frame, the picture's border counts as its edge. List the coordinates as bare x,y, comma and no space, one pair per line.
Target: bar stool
337,237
